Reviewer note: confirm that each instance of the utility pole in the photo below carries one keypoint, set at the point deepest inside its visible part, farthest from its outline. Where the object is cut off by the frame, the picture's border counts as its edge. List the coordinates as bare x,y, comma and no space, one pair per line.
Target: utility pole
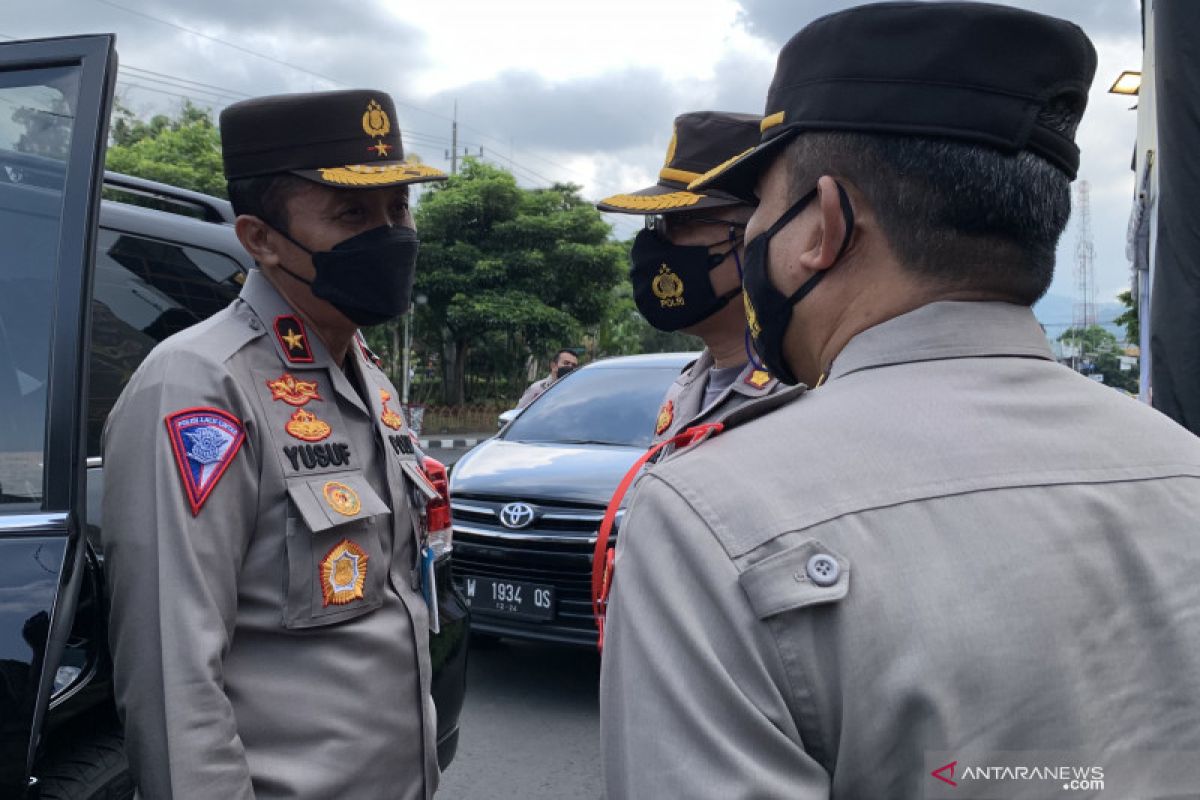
454,141
1085,282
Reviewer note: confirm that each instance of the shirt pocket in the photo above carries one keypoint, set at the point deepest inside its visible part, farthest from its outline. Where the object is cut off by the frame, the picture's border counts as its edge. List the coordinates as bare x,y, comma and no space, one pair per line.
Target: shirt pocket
337,567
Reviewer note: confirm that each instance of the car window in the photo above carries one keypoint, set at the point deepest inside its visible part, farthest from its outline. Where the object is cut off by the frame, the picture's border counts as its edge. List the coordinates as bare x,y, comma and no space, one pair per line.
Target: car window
144,291
36,122
610,405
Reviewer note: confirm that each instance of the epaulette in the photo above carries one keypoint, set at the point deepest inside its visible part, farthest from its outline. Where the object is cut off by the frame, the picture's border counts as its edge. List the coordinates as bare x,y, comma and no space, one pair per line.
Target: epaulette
688,366
762,406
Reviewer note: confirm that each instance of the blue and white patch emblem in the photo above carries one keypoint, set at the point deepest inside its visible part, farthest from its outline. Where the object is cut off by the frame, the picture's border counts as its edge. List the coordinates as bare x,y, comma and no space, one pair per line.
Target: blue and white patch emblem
204,441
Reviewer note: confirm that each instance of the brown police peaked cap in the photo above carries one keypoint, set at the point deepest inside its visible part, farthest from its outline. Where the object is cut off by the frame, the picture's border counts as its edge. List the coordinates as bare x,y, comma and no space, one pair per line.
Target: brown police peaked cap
349,139
701,140
974,72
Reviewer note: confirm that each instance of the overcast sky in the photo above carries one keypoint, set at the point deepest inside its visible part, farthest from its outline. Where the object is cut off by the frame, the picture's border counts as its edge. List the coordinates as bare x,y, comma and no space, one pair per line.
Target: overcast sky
557,90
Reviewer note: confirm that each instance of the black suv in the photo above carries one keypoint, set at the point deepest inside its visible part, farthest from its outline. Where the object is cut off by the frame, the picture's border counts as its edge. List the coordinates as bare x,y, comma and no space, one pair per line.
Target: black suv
81,304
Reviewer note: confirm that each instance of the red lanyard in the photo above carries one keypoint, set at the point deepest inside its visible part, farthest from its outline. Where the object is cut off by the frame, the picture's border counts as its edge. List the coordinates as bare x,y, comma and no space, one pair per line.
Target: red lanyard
602,556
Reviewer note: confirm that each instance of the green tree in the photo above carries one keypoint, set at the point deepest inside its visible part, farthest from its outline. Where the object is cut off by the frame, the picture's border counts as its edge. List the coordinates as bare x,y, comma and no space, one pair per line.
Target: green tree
509,272
1129,318
1100,354
184,151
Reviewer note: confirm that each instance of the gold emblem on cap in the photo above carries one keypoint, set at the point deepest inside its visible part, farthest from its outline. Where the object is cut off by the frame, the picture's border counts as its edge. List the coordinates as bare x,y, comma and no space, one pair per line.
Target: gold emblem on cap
667,287
751,315
652,202
343,574
376,124
671,148
381,175
342,498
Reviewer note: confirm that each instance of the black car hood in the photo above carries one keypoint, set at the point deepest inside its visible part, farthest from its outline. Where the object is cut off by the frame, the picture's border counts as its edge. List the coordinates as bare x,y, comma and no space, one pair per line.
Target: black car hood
543,471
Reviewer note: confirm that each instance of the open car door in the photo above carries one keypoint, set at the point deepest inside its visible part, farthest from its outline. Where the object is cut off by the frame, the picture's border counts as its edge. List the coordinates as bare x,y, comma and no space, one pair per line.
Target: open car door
54,106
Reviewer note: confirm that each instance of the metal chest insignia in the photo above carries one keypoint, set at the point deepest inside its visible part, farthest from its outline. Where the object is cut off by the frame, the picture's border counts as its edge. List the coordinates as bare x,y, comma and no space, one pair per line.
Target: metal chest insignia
389,417
343,574
292,391
758,378
666,415
289,331
342,498
204,441
305,426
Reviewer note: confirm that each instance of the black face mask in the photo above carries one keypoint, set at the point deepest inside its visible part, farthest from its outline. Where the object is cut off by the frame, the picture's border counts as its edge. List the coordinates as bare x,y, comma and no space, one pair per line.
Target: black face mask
368,277
768,311
565,370
671,285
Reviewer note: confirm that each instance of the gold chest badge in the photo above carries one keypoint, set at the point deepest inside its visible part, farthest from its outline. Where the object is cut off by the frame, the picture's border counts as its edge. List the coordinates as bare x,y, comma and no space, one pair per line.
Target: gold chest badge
305,426
342,498
666,415
389,417
292,391
758,378
667,287
751,315
343,574
376,124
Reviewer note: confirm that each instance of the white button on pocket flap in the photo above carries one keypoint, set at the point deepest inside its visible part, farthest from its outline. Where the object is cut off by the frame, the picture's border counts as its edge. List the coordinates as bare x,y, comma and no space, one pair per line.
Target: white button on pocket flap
419,479
330,500
808,574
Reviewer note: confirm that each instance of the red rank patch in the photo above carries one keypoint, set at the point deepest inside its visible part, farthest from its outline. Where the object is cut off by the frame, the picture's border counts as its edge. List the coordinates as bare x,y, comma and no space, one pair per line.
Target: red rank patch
204,441
289,330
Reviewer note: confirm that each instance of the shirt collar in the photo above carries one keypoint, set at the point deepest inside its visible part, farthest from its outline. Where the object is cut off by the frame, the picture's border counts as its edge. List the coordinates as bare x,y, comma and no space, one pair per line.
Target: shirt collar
271,308
949,329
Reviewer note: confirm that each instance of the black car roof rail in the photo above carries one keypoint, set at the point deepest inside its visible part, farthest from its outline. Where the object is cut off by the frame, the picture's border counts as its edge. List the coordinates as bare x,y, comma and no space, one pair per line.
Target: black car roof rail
172,198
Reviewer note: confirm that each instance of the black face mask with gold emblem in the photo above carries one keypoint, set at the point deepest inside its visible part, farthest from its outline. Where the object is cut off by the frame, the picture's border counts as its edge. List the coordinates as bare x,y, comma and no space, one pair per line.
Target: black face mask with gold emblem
671,283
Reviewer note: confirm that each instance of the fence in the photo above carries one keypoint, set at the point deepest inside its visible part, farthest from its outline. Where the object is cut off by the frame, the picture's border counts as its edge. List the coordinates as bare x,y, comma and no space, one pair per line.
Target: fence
470,418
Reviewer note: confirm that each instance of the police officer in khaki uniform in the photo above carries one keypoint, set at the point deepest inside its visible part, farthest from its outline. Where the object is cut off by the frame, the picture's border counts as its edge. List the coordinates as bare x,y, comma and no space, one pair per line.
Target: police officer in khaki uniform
262,507
685,268
951,548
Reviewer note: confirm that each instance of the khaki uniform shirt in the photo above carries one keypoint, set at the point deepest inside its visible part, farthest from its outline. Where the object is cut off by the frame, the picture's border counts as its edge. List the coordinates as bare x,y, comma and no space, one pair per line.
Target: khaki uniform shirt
268,634
954,547
683,405
535,390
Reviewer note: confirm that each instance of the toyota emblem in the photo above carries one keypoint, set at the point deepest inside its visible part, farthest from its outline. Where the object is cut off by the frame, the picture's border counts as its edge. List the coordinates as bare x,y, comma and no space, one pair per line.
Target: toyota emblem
516,515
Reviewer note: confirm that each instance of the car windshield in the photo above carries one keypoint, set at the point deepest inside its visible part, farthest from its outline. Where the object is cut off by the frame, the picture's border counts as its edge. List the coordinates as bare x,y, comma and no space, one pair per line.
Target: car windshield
604,405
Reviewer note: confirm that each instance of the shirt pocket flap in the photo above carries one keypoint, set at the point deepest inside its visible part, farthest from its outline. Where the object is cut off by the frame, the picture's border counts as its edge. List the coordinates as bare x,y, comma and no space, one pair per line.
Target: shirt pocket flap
419,480
327,501
807,574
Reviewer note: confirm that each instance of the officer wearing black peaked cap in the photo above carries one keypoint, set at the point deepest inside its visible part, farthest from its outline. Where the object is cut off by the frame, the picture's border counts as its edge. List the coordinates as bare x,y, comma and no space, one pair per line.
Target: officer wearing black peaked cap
686,268
261,510
951,547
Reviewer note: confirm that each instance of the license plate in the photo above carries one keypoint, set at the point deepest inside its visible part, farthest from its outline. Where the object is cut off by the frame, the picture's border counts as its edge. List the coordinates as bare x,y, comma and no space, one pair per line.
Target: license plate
510,598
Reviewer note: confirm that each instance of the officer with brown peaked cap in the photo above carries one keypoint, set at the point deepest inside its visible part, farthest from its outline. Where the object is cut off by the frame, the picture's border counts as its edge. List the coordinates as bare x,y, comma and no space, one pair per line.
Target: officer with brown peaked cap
951,547
263,502
685,268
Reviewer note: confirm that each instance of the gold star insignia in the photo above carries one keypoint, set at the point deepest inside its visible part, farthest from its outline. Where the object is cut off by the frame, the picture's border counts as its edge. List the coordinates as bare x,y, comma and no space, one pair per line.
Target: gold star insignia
381,148
294,340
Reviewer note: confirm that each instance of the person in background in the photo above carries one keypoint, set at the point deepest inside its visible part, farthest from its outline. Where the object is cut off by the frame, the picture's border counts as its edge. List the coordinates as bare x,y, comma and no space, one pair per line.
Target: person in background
564,361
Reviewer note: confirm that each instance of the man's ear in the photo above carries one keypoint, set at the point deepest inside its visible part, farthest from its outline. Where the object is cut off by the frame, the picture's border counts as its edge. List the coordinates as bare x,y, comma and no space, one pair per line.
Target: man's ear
826,244
258,238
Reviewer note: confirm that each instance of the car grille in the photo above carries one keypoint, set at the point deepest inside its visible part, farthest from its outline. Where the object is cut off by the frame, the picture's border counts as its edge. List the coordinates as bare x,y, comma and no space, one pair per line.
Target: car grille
554,550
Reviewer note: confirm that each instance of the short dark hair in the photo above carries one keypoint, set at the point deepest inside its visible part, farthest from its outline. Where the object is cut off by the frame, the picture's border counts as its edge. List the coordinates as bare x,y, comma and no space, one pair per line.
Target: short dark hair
965,216
265,197
566,350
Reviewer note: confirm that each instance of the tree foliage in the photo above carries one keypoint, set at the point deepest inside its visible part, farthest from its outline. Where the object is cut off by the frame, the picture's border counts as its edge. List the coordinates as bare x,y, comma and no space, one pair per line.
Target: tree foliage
509,273
1129,318
1100,354
183,151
